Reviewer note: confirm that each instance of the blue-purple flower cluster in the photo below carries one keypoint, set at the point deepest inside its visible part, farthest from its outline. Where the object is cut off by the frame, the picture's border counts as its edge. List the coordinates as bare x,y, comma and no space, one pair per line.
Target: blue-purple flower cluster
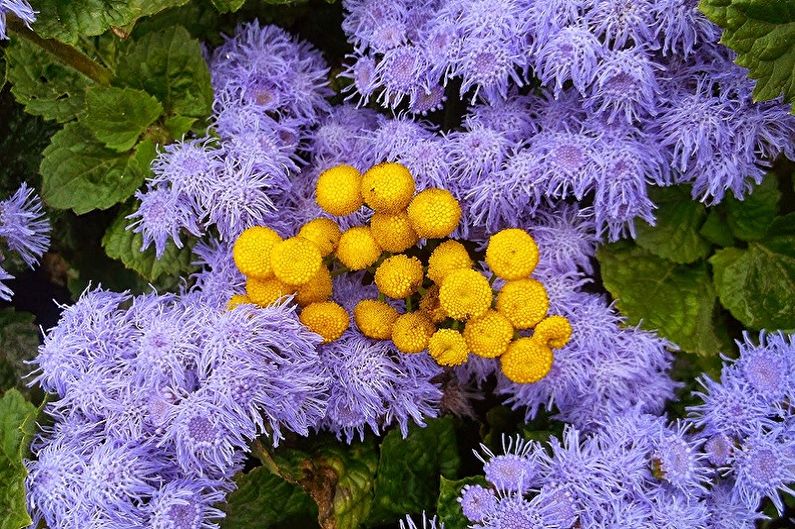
25,231
636,470
18,8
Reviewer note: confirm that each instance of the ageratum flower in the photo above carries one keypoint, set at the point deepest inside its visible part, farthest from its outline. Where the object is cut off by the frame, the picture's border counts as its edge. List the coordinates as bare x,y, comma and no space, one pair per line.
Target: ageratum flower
23,228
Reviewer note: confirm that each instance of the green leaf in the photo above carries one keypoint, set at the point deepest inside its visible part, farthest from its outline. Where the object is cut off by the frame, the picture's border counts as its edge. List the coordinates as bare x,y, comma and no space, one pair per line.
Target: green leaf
749,219
81,174
675,235
124,245
263,499
118,116
409,469
448,508
19,341
226,6
177,126
757,284
678,301
169,65
716,229
46,87
763,35
16,422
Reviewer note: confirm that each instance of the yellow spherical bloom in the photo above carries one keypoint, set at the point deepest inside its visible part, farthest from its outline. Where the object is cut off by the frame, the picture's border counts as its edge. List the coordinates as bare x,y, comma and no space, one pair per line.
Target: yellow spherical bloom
399,276
387,187
266,292
489,335
323,232
237,300
434,213
512,254
411,332
252,250
448,256
429,304
465,294
526,361
555,331
375,318
448,347
524,302
339,190
357,248
393,231
319,288
326,318
295,261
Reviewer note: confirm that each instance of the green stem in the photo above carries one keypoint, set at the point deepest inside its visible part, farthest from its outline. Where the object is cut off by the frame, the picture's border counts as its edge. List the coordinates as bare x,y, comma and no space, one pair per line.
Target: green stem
68,55
492,278
409,306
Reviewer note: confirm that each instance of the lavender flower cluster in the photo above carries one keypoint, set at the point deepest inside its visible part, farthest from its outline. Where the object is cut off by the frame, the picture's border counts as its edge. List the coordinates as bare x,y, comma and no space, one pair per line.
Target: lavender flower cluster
18,8
25,231
636,470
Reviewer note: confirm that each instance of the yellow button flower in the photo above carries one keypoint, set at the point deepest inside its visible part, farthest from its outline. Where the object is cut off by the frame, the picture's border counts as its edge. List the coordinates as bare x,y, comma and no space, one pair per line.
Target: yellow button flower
319,288
399,276
266,292
429,304
295,261
465,294
448,347
326,318
339,190
411,332
555,331
393,231
252,249
357,248
387,187
434,213
448,256
375,318
237,300
489,335
323,232
526,361
524,302
512,254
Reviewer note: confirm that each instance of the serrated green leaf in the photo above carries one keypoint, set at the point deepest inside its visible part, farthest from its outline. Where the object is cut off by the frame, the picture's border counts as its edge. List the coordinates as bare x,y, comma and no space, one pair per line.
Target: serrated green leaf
19,341
169,65
118,116
757,284
178,126
447,507
716,229
124,245
81,174
44,86
409,469
675,236
15,430
750,218
227,6
678,301
763,35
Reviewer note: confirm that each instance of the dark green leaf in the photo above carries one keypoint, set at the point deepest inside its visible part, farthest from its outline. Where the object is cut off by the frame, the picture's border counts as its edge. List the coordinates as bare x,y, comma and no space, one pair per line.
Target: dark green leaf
81,174
16,416
178,126
716,229
749,219
757,284
19,341
678,301
448,508
118,116
225,6
675,235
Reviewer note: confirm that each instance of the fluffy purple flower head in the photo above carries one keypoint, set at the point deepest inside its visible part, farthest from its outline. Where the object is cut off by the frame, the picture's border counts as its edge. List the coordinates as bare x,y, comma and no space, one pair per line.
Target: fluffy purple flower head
183,504
161,217
362,72
426,100
515,470
728,511
23,225
488,68
566,239
512,117
476,152
728,408
670,510
477,502
188,167
767,368
572,54
763,468
626,86
678,461
681,26
619,22
18,8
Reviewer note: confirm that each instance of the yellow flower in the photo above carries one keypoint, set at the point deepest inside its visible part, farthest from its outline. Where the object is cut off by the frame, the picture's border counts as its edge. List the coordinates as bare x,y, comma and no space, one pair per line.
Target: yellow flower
387,187
526,361
237,300
393,231
411,332
339,190
465,294
399,276
266,292
323,232
489,335
524,302
319,288
448,256
434,213
252,249
448,347
326,318
555,331
512,254
429,304
295,261
375,318
357,248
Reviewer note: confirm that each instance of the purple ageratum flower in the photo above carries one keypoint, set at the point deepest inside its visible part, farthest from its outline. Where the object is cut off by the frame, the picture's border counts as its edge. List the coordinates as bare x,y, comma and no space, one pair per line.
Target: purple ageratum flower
362,72
426,158
494,203
218,278
477,502
400,73
426,100
571,54
569,161
547,18
719,450
5,292
680,26
379,24
476,152
513,117
18,8
396,136
515,470
728,408
188,167
763,468
766,368
670,510
186,504
488,67
161,217
441,43
427,523
419,393
678,460
727,511
23,225
546,509
619,22
339,138
566,239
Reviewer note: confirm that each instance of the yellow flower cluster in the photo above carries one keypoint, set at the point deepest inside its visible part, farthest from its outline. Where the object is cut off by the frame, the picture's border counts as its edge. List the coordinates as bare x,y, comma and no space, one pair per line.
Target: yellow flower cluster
458,311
